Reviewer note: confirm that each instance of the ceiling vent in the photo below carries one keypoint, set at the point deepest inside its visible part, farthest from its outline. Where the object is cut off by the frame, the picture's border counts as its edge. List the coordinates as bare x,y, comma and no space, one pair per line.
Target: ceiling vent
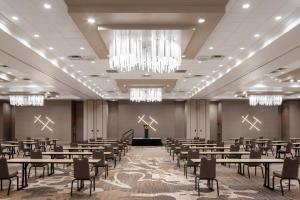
5,66
111,71
82,58
26,79
210,58
110,91
194,76
146,75
181,71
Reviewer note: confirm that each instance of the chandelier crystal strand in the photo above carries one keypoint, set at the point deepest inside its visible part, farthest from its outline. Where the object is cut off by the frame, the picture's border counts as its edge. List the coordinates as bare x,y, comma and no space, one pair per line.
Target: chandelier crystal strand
26,100
146,94
265,100
157,51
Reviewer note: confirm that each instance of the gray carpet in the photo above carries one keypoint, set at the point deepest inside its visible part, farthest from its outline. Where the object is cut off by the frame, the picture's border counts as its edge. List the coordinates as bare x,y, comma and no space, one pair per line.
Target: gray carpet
148,173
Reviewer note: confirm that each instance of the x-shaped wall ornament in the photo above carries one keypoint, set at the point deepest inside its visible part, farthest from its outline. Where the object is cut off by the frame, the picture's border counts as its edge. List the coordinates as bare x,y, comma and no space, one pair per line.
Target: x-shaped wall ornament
44,124
252,124
141,119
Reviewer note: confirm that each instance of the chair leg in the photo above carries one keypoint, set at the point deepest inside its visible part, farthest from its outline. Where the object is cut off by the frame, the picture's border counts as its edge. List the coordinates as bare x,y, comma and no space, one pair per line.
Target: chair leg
289,184
72,187
281,187
43,172
262,172
273,182
29,172
95,182
17,182
217,186
199,187
1,185
91,184
248,171
9,185
34,171
255,170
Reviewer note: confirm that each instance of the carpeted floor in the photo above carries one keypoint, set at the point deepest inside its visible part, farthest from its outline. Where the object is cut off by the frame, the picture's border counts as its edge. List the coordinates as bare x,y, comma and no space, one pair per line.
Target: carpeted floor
148,173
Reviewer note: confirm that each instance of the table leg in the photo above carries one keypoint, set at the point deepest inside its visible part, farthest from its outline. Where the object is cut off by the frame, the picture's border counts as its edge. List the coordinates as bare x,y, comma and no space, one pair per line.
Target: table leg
267,176
24,176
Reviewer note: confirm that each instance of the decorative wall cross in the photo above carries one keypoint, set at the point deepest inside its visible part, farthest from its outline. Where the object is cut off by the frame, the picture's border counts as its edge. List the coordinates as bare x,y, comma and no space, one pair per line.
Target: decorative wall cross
45,125
253,124
141,119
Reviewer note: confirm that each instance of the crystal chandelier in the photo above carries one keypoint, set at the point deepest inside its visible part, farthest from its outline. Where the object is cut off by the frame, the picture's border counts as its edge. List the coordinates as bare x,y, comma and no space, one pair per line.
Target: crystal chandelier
146,94
155,51
26,100
265,100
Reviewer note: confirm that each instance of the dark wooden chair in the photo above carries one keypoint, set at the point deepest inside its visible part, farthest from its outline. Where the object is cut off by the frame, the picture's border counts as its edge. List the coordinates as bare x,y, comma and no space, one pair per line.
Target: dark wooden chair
5,174
37,154
82,173
102,163
26,150
180,156
192,154
254,155
267,148
207,172
5,151
285,151
289,172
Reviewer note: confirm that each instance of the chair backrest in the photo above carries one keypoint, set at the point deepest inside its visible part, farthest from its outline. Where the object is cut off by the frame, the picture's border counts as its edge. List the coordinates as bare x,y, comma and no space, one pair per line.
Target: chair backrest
73,145
81,168
234,148
184,148
241,141
220,144
99,138
21,145
208,168
192,154
92,140
58,148
255,154
99,155
36,154
289,147
28,138
4,173
261,137
290,168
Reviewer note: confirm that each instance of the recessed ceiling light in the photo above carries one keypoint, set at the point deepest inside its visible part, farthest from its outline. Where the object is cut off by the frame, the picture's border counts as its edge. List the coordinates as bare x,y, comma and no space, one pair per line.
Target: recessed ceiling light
78,71
71,65
199,61
91,20
47,6
220,65
229,58
50,48
194,29
183,56
256,35
246,6
36,35
211,48
201,20
15,18
242,48
214,71
62,58
93,62
184,80
278,18
81,48
107,80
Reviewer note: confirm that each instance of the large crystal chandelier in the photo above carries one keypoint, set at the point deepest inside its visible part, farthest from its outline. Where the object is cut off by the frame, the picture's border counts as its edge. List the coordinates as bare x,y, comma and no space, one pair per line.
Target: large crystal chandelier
26,100
155,51
145,94
265,100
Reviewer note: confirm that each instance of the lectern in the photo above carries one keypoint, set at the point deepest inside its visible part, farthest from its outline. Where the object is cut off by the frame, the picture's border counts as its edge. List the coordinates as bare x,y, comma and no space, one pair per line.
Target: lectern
146,131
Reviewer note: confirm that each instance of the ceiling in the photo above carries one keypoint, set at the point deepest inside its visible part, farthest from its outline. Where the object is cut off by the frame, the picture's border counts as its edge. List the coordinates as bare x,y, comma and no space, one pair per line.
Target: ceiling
253,43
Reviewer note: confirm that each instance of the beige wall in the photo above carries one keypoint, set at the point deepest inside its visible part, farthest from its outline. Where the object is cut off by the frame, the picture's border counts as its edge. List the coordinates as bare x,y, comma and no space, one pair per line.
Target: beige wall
290,119
232,126
123,115
58,111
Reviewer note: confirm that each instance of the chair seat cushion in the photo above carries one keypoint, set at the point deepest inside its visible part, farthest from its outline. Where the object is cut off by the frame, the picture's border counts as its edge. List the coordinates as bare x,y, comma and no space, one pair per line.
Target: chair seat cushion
277,174
13,174
92,174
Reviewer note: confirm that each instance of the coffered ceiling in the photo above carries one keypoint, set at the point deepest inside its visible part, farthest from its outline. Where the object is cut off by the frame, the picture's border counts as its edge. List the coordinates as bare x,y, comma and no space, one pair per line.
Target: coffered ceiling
237,47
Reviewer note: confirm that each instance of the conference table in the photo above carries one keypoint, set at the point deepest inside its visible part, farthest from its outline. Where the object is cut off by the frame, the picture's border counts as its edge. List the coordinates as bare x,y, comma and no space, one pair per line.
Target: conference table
26,161
266,162
11,148
73,153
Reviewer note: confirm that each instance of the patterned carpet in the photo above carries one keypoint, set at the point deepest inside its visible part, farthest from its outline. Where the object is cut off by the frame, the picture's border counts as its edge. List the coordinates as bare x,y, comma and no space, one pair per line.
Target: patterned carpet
148,173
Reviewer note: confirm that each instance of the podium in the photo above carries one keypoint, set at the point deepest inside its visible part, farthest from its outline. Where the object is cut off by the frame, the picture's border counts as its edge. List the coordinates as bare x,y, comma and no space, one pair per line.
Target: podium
146,131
